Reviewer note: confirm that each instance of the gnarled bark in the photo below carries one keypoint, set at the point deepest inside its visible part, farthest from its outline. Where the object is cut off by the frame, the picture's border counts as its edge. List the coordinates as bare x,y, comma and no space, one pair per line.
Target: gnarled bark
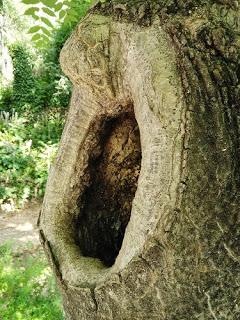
149,229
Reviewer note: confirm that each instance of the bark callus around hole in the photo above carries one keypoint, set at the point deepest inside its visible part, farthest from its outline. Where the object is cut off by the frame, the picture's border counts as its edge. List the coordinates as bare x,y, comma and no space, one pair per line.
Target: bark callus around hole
107,202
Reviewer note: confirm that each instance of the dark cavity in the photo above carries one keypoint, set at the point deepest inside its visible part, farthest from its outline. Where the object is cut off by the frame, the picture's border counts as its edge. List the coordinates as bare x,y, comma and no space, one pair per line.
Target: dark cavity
105,206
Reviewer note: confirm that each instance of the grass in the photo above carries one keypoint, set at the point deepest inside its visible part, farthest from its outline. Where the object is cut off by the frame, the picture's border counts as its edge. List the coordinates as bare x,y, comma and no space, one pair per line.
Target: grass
27,287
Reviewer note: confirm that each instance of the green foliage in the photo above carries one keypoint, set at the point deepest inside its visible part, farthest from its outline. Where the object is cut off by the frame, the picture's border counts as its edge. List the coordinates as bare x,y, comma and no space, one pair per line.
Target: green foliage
31,11
6,98
33,90
27,148
27,288
32,109
24,85
48,13
54,87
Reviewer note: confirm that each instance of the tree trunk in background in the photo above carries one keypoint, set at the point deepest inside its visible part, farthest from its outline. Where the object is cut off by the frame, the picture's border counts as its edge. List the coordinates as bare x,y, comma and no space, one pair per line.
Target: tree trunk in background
141,213
1,38
6,68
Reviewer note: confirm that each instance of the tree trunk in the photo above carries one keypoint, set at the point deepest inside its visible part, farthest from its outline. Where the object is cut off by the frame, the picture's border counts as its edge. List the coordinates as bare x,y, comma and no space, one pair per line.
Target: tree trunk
141,214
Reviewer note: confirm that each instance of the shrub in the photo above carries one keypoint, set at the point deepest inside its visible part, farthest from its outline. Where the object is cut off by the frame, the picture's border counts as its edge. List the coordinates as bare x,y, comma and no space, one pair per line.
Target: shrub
26,152
24,84
6,99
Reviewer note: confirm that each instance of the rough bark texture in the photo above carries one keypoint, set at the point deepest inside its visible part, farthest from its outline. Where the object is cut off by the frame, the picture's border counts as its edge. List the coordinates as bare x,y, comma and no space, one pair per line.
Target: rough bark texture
177,63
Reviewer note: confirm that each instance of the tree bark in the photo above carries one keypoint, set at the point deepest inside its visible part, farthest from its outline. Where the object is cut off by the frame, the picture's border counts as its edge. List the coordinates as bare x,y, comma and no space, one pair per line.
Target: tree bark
148,167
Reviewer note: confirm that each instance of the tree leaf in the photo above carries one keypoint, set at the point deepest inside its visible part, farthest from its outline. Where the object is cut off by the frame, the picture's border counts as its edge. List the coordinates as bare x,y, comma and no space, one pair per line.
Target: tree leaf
49,12
67,3
47,22
31,1
34,29
44,37
31,11
46,31
41,43
58,6
36,37
62,14
70,18
35,17
49,3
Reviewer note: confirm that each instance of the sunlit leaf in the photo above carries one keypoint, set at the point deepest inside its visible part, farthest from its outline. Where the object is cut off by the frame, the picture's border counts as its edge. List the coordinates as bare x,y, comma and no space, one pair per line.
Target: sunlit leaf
71,18
34,29
46,38
42,42
47,22
36,37
31,11
46,31
49,12
62,14
31,1
58,6
49,3
35,17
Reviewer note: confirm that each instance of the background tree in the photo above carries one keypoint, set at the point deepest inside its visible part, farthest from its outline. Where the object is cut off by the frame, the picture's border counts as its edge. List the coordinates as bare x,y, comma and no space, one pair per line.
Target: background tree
167,72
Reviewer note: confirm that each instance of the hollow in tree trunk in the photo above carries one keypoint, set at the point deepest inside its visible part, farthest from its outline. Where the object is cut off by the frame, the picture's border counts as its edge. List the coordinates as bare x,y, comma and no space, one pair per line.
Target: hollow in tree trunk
141,214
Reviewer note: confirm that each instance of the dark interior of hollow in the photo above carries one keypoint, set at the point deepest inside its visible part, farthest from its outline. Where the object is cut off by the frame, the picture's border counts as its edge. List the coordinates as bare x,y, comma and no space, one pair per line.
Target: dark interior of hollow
106,204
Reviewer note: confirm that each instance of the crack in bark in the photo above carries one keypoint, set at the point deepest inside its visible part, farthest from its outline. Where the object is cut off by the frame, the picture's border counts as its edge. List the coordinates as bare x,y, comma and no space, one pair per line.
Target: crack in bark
231,254
210,306
52,259
93,295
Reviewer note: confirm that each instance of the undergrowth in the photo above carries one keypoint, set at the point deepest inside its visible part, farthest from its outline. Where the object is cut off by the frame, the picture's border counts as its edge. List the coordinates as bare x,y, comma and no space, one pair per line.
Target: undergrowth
27,287
27,148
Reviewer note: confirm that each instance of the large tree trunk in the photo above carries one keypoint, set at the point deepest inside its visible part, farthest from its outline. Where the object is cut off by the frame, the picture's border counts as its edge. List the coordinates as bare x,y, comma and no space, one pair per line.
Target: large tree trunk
141,214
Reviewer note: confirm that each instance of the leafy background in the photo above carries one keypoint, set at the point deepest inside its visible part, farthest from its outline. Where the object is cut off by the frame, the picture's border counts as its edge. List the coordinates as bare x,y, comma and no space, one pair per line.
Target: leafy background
33,104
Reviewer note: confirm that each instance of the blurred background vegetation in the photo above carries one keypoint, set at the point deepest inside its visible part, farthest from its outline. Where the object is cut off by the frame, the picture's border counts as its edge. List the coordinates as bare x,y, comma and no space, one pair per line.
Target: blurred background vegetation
34,93
27,287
